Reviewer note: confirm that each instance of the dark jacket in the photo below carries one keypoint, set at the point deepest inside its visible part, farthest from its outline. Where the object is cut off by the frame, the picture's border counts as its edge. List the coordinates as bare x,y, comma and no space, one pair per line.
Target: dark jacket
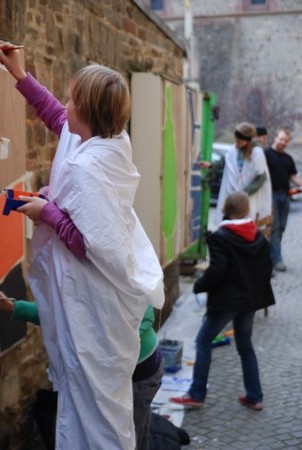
238,277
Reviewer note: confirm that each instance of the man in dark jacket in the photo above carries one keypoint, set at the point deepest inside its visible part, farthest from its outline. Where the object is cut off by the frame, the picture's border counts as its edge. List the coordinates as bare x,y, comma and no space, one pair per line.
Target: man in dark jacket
238,283
283,172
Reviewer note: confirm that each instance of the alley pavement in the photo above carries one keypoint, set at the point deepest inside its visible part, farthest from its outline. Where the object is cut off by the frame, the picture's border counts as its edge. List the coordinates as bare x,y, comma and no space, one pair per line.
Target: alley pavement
223,423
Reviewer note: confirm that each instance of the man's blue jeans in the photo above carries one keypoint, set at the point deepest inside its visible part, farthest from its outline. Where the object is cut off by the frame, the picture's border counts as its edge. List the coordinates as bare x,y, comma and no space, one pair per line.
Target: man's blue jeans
280,214
210,328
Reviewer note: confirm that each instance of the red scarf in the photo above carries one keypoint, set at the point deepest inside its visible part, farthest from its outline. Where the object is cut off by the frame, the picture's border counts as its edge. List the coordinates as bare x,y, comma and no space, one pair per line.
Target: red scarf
244,228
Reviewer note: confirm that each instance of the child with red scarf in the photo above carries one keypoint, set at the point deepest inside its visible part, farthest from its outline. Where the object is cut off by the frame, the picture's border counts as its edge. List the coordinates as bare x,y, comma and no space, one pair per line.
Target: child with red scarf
238,284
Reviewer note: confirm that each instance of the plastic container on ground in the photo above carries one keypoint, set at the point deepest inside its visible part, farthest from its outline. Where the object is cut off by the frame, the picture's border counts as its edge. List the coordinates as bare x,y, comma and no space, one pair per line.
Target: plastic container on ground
172,354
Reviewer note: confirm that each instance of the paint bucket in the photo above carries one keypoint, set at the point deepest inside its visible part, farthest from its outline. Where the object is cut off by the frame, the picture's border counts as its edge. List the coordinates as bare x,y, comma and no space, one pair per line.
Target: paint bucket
172,354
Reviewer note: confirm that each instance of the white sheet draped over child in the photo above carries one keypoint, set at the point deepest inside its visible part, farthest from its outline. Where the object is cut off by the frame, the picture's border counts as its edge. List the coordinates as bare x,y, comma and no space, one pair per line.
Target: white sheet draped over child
104,295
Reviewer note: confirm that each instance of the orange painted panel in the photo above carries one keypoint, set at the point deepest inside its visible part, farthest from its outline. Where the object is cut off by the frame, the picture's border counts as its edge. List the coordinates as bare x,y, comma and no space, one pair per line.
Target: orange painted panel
11,237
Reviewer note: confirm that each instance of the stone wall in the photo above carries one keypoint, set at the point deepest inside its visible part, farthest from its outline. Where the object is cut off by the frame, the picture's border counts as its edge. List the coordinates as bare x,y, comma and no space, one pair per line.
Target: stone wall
251,63
249,56
60,37
22,373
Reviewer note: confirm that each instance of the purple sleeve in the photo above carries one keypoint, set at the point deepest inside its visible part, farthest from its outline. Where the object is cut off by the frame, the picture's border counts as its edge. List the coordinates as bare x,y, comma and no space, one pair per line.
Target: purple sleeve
47,107
64,228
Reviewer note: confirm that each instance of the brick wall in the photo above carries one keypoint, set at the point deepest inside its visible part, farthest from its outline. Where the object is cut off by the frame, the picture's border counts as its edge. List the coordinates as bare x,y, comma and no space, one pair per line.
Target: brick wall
60,37
22,373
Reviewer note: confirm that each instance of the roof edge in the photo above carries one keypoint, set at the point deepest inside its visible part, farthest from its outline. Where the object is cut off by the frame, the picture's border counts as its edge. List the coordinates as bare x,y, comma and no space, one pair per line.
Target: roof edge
160,23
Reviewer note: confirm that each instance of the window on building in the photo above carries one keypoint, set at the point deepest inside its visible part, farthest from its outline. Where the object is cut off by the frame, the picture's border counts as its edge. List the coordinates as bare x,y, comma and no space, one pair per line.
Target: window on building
157,5
254,106
258,5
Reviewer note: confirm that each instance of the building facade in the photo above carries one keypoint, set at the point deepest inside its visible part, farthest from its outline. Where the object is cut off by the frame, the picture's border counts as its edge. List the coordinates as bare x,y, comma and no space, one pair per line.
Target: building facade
248,52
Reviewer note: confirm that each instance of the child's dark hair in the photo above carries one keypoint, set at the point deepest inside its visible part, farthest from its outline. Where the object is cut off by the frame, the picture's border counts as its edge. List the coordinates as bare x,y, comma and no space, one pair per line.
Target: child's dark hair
101,97
236,205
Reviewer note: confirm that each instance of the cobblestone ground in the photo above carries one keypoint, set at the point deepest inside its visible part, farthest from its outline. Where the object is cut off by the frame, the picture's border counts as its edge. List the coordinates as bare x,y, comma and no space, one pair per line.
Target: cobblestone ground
226,425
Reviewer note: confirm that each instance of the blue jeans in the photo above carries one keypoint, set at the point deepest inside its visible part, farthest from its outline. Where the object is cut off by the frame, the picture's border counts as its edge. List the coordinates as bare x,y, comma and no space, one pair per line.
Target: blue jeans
280,214
210,328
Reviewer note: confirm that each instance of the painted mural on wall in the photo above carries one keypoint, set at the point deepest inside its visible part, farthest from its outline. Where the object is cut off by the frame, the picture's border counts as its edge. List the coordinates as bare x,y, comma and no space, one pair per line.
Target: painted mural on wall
164,151
169,177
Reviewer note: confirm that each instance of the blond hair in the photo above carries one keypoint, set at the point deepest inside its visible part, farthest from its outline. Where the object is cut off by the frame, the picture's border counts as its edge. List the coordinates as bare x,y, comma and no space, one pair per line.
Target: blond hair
102,99
284,130
236,205
246,129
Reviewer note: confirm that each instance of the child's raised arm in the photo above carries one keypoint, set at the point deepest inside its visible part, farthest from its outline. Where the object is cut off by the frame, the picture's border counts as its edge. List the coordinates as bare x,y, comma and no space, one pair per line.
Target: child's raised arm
47,107
12,61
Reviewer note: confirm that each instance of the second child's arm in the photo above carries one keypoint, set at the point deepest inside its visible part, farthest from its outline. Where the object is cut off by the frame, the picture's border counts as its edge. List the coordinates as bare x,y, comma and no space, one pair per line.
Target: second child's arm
216,271
20,309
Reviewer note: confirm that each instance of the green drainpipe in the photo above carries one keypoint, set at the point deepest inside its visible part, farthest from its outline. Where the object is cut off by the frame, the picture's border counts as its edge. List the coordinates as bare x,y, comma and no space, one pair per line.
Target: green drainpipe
208,130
